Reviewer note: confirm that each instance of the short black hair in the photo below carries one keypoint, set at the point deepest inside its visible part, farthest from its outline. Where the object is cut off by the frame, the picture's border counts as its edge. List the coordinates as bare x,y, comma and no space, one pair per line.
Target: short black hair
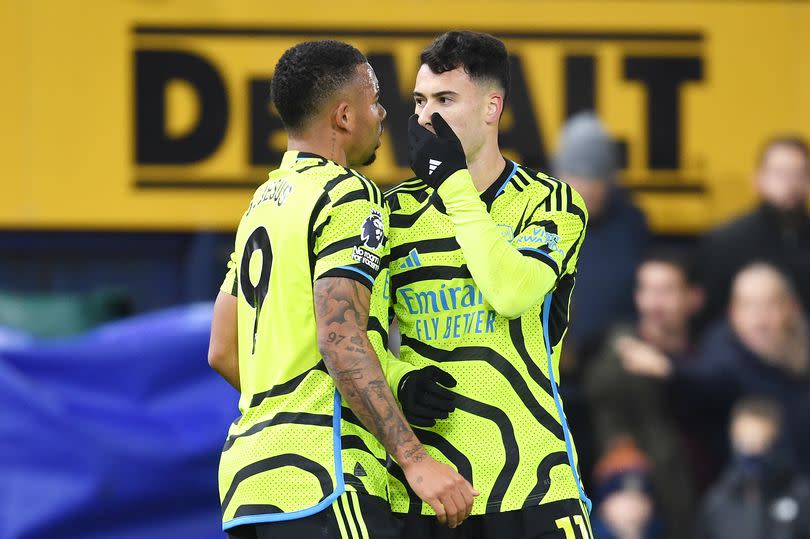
307,75
791,141
679,258
483,57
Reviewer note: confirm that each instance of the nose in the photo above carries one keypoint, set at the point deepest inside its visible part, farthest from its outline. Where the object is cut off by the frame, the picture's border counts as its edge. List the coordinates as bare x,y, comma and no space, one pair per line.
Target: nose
424,117
383,113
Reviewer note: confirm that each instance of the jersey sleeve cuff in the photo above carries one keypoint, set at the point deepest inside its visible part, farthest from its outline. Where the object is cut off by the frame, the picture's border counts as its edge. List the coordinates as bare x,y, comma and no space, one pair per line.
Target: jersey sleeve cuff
542,256
350,272
230,286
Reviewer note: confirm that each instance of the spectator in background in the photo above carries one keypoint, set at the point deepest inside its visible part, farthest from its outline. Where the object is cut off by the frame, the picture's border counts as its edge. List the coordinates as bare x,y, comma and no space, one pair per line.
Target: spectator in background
625,506
763,350
761,495
622,404
587,159
778,231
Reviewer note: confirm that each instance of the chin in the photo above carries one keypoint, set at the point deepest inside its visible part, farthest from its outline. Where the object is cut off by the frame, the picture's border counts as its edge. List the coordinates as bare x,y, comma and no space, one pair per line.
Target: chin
371,159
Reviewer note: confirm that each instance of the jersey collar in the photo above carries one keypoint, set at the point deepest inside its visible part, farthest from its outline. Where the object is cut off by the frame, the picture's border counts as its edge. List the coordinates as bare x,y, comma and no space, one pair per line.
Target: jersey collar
290,157
496,188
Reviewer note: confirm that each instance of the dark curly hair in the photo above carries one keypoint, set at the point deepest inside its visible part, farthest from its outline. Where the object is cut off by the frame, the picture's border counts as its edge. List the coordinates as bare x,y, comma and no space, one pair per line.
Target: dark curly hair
680,258
307,75
482,56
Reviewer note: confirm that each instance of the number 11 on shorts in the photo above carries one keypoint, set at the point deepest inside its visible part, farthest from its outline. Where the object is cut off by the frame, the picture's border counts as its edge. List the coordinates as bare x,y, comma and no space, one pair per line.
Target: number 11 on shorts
566,524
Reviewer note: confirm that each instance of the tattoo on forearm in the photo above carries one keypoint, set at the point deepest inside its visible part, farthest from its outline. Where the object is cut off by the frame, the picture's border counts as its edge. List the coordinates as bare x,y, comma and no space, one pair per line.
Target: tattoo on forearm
351,374
342,311
415,453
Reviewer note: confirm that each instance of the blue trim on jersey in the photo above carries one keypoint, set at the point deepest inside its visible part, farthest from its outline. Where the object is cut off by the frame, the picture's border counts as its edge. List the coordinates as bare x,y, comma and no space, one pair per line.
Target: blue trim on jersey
569,448
363,273
337,445
537,251
514,169
326,502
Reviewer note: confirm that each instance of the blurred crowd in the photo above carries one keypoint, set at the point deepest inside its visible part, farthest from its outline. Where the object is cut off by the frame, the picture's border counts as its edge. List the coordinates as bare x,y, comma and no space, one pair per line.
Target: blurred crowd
686,367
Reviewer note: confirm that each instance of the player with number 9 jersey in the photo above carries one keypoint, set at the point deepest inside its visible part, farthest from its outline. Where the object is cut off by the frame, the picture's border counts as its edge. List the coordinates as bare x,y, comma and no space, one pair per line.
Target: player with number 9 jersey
294,445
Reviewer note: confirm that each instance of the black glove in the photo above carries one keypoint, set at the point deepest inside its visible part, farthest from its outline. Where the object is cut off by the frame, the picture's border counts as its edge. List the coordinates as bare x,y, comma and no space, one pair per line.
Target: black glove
434,158
424,396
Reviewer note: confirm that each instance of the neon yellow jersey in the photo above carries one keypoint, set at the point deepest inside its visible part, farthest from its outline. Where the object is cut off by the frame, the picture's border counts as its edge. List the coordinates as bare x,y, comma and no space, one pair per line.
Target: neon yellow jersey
296,447
508,435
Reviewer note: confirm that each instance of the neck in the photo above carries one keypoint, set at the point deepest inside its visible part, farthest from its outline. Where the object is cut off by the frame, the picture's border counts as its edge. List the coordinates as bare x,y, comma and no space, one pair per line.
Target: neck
787,218
673,341
326,146
486,165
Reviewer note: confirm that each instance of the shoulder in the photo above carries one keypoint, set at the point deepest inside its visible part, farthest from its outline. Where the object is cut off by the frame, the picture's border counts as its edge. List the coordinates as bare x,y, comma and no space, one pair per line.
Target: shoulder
343,192
718,497
735,229
375,193
410,192
719,332
535,180
558,195
621,213
721,345
346,184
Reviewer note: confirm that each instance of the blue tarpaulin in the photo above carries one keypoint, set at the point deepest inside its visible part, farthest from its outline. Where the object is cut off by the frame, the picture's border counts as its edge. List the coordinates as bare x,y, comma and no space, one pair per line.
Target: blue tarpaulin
114,434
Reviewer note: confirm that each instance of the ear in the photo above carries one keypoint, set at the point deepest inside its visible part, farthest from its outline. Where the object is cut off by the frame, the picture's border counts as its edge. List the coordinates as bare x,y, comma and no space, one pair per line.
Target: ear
494,107
697,297
796,308
342,116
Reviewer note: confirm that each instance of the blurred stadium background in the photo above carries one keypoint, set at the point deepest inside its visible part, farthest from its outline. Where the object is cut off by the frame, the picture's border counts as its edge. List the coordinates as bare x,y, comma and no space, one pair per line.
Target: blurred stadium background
134,132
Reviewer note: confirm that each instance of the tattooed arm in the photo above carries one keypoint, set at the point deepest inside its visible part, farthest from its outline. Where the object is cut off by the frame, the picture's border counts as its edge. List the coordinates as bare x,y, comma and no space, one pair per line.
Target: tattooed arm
341,310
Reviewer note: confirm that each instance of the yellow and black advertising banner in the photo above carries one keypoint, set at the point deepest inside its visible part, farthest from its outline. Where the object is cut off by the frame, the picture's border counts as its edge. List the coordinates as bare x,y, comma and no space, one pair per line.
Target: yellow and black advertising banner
146,114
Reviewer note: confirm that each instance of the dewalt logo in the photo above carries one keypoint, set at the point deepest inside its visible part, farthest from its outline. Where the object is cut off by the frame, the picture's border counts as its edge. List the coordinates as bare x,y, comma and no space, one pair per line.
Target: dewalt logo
170,126
203,118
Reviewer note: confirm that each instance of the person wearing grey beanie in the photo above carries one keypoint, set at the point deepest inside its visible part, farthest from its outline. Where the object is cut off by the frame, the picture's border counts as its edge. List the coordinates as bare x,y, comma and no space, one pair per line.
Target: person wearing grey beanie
586,150
587,159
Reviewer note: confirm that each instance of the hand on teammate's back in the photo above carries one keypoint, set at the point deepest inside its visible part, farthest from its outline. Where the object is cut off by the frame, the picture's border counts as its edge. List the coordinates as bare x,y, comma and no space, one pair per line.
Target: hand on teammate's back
440,486
424,396
434,158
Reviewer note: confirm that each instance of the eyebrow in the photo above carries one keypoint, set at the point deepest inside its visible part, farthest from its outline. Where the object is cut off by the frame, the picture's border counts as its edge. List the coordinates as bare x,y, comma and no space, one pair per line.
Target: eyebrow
443,93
